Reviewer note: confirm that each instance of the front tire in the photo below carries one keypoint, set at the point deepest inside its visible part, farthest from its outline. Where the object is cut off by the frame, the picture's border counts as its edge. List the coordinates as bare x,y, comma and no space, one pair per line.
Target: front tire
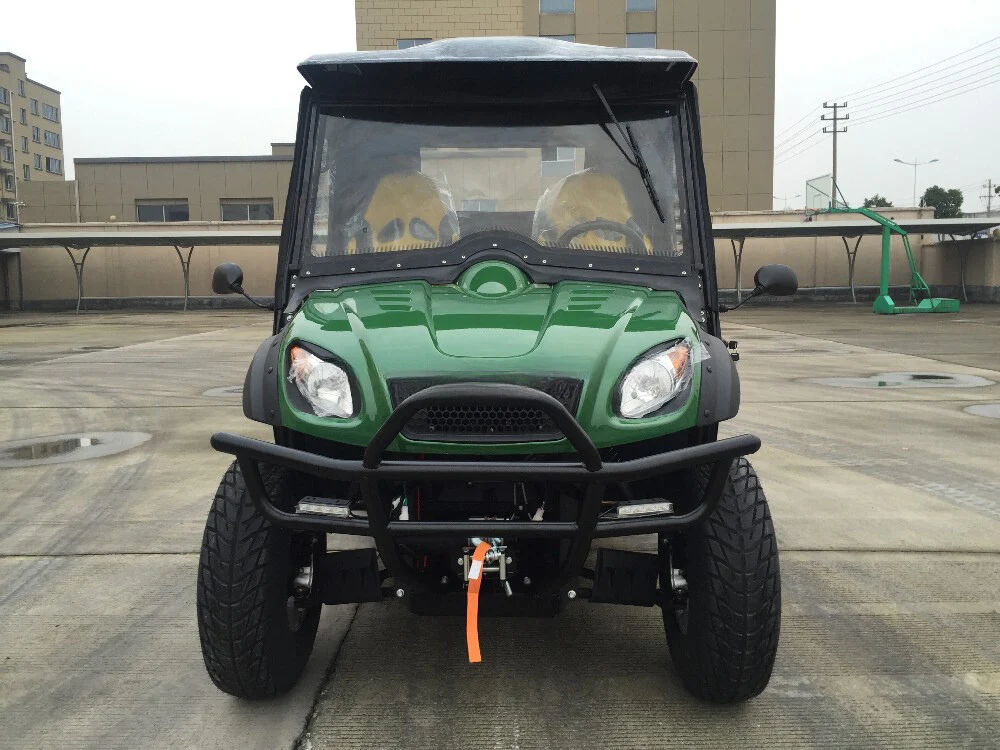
254,640
723,642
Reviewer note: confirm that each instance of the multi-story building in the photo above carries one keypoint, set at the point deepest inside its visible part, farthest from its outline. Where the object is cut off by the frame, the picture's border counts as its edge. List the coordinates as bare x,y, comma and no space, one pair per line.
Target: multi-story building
733,41
31,147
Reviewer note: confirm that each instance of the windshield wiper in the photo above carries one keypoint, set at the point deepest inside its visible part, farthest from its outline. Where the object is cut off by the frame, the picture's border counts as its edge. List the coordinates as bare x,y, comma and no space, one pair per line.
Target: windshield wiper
633,145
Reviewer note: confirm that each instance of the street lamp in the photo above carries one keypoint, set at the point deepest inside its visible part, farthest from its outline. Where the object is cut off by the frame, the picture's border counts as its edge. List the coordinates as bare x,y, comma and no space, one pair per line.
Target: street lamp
786,198
915,164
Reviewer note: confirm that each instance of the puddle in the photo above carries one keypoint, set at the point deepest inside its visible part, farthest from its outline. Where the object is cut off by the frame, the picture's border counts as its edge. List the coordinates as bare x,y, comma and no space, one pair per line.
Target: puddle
904,380
984,410
229,391
56,449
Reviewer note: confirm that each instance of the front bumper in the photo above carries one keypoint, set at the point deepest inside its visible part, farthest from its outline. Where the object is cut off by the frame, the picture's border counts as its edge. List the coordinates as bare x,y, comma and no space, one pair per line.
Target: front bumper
590,472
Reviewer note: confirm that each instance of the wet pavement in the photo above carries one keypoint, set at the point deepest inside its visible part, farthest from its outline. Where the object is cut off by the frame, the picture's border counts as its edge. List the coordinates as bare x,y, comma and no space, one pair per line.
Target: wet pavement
886,502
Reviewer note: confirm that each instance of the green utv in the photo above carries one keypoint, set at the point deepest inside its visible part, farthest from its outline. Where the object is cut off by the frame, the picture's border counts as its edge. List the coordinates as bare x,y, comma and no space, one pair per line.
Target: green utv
496,340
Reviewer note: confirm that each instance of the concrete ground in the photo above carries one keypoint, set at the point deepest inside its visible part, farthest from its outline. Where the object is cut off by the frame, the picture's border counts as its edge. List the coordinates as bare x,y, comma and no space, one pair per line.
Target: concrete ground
886,503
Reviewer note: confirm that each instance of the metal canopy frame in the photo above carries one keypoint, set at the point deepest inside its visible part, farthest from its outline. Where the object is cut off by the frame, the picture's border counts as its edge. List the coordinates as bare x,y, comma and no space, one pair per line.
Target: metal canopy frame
739,233
79,244
736,233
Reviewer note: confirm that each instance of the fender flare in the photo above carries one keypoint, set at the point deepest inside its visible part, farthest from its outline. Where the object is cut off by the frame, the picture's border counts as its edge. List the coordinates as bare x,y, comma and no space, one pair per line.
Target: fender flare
260,387
720,383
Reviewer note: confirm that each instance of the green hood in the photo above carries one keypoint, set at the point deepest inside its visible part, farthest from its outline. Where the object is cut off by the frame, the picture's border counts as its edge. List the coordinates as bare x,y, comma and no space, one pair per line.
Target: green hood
587,331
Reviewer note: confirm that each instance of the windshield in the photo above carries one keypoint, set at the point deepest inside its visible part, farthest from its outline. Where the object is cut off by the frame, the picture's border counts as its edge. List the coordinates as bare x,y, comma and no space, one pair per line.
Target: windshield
387,186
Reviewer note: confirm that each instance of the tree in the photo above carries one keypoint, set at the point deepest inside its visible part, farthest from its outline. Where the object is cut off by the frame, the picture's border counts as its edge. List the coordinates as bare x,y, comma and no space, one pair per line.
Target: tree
878,201
947,203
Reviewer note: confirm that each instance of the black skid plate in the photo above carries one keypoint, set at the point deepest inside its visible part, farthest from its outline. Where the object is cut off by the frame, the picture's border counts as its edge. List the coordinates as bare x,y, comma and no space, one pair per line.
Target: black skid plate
623,577
348,576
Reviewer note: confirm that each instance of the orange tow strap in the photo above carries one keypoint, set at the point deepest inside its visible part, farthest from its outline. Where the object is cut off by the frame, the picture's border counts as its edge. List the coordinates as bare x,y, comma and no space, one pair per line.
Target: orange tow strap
472,608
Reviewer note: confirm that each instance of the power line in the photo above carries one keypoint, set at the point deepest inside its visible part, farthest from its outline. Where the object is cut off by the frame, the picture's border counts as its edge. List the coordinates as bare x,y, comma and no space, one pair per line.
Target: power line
801,119
899,111
975,184
780,151
799,153
796,134
785,154
940,87
791,155
918,70
981,74
878,89
956,71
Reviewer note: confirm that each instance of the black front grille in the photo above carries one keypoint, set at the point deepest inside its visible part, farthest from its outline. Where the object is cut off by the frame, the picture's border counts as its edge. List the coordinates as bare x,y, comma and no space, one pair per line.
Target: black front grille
483,422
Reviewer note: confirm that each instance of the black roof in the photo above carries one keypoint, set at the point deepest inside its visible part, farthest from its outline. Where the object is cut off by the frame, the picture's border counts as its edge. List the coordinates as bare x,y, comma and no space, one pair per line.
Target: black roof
488,68
525,49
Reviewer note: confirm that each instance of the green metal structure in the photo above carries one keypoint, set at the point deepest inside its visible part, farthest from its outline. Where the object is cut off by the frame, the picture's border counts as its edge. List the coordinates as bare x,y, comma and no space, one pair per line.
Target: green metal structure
920,293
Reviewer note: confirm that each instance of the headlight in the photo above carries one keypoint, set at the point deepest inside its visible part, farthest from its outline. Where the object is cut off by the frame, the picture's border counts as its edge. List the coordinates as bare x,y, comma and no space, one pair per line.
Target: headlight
324,385
654,380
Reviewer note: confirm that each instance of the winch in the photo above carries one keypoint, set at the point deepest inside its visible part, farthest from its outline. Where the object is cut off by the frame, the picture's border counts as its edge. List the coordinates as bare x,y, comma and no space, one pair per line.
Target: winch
496,560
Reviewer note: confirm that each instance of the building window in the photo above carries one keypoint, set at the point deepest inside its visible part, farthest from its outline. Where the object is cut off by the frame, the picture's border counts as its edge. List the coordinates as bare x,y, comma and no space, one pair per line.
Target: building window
12,211
24,144
4,124
26,171
8,181
38,161
640,40
558,161
4,96
34,106
50,113
407,43
480,204
561,37
7,154
640,6
171,210
252,209
36,134
20,87
53,139
24,116
556,6
53,166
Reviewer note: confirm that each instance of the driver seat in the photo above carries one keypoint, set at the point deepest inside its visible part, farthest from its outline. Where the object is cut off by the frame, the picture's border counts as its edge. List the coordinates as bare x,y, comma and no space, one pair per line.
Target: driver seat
406,211
584,197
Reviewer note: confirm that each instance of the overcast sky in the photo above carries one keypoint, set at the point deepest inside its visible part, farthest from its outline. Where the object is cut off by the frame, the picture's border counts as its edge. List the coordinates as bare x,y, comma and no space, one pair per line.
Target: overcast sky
206,78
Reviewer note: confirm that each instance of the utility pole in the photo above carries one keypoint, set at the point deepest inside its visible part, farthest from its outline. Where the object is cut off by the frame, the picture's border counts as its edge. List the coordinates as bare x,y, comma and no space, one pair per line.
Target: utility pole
834,129
989,197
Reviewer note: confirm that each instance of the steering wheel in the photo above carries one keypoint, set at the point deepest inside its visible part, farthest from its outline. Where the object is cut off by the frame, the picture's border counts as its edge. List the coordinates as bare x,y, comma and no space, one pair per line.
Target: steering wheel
635,240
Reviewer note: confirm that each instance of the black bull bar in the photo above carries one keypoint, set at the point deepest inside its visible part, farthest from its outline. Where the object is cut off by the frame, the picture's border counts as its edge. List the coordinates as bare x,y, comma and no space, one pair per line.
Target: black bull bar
590,471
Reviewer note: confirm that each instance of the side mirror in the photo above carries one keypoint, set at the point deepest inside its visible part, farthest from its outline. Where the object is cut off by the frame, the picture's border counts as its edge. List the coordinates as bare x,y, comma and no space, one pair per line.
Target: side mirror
228,279
776,280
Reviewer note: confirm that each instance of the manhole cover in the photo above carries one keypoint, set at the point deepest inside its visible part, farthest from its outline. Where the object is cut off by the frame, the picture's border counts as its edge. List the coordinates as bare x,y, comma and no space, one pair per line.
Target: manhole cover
57,449
230,391
904,380
984,410
94,348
